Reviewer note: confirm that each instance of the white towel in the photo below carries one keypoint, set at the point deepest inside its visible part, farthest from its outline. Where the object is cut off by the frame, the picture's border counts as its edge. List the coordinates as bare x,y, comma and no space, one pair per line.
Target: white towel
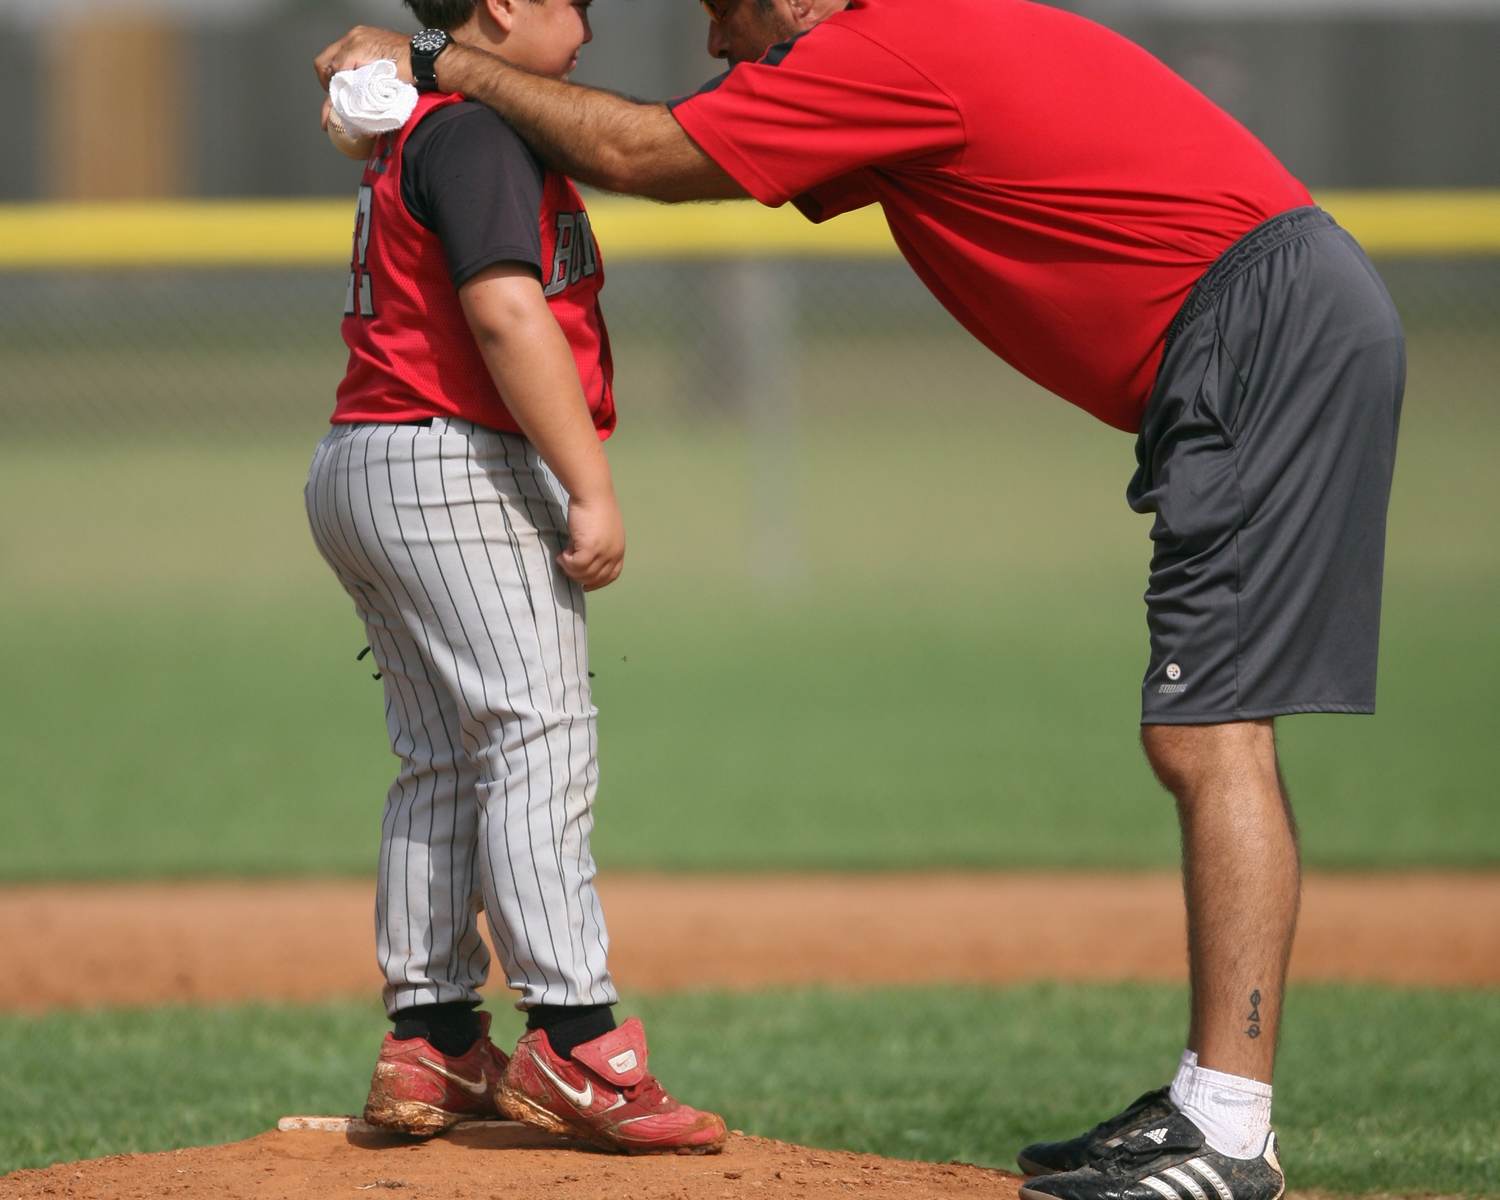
372,99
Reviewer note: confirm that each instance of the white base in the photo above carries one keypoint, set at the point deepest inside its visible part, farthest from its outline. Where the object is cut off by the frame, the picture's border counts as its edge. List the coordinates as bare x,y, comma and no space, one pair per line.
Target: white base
355,1125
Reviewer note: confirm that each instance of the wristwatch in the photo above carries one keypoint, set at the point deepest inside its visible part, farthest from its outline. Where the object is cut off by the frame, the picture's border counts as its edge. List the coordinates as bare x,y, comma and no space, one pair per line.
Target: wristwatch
425,48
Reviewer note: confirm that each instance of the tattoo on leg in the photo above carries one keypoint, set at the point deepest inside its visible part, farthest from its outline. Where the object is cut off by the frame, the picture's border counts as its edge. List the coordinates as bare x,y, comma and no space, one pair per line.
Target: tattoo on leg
1254,1017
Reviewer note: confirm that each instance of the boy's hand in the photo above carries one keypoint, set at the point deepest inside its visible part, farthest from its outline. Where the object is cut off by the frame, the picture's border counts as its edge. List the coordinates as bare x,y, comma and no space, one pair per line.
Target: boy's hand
596,549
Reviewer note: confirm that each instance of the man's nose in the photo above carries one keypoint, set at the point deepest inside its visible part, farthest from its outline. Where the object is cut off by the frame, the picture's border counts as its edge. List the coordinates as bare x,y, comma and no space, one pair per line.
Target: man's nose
717,46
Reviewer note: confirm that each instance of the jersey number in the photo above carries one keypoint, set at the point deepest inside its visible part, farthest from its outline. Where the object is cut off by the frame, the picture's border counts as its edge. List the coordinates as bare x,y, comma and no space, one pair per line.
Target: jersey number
360,300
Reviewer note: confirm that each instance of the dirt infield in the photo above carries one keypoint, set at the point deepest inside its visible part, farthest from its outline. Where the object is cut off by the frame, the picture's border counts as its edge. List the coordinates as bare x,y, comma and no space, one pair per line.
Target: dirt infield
150,944
513,1163
155,943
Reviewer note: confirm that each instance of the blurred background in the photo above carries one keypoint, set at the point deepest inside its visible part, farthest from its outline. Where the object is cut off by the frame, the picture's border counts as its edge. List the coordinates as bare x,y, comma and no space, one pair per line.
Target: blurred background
882,605
109,98
881,608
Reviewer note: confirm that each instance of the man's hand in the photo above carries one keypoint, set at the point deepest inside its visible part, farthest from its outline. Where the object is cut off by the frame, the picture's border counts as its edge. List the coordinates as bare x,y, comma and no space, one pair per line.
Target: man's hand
362,45
596,550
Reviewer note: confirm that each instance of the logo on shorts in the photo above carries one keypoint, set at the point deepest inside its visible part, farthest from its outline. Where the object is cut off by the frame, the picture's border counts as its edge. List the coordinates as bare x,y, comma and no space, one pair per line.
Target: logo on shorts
1174,673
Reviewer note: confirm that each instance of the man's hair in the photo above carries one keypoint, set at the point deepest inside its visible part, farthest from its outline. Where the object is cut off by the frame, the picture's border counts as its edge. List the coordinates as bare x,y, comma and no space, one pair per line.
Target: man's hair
442,14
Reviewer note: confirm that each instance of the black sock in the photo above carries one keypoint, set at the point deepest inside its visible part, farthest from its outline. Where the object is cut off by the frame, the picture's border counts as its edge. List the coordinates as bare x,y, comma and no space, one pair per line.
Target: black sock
571,1025
451,1028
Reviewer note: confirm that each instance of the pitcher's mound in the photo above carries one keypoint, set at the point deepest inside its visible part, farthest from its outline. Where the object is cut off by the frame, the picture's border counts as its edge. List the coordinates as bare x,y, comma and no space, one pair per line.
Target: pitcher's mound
495,1160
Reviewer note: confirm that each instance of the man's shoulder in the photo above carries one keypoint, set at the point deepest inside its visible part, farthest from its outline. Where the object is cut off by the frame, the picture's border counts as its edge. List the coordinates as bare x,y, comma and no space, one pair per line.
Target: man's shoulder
873,33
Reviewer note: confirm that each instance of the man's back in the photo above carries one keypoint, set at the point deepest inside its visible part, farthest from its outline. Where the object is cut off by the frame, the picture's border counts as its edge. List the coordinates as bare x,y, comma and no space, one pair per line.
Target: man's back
1057,187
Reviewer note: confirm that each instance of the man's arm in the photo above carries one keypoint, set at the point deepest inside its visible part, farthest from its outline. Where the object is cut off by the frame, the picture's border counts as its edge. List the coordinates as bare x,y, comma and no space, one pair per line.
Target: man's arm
596,137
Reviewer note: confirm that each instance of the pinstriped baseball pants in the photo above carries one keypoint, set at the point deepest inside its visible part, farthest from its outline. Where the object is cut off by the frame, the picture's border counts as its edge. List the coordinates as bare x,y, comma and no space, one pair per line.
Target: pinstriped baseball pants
445,539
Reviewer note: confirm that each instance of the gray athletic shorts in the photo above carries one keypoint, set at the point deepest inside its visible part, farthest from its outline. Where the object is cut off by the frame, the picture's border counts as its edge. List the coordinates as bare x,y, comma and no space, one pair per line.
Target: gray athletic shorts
1266,454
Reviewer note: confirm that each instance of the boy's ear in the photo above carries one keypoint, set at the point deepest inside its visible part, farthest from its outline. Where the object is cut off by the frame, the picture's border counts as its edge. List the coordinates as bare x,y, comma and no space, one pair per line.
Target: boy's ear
807,13
502,12
801,10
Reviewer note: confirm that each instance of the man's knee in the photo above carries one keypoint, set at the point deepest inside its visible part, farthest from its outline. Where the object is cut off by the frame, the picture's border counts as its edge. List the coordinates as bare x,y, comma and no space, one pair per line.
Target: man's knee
1190,758
1172,753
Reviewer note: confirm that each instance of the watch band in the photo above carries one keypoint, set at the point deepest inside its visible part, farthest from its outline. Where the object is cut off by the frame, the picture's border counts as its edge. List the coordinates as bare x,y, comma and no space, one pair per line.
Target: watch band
426,45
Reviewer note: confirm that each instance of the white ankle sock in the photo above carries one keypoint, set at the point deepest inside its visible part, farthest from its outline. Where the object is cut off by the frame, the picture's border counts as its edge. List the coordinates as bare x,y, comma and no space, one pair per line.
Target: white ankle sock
1233,1112
1188,1061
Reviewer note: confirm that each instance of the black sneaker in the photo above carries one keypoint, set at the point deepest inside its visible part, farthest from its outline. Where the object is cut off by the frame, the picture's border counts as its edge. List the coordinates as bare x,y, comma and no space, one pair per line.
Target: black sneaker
1166,1160
1046,1158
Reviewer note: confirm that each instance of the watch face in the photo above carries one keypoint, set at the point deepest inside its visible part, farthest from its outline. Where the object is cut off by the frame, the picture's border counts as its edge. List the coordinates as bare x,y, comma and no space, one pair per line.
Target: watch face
429,41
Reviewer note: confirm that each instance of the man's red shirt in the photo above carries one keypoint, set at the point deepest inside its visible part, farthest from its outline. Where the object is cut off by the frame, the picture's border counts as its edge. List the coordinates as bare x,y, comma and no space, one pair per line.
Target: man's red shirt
1055,186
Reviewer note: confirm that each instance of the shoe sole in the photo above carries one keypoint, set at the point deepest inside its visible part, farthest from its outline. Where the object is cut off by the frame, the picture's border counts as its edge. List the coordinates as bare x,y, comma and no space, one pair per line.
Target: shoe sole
521,1108
414,1118
1032,1169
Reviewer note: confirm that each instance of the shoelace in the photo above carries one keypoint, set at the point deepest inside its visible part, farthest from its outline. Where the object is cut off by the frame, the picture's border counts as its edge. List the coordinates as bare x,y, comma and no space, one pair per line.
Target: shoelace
647,1091
1123,1118
1136,1150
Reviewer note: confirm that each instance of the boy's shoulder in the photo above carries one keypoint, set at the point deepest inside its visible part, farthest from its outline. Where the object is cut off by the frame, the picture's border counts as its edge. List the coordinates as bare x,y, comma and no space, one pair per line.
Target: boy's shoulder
467,121
467,146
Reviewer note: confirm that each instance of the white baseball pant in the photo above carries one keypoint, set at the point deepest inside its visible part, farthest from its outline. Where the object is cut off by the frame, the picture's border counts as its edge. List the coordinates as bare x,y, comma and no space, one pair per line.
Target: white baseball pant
445,536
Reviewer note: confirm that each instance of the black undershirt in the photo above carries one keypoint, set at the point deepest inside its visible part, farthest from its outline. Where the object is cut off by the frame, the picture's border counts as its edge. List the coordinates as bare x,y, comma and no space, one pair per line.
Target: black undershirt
469,178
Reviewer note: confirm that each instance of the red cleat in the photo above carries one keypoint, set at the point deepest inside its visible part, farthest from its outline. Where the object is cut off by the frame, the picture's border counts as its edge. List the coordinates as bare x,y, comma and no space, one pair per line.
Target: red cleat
417,1089
604,1095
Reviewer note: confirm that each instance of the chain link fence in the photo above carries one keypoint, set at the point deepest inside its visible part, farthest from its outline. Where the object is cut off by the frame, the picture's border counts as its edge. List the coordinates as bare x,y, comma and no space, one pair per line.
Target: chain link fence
244,353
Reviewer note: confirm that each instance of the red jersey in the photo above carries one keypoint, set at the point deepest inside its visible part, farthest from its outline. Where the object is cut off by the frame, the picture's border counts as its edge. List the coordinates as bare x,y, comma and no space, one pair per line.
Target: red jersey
411,352
1055,186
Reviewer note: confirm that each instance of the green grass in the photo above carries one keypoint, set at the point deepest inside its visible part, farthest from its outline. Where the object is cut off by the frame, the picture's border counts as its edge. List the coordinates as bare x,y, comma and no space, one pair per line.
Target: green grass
250,742
897,623
1372,1097
920,645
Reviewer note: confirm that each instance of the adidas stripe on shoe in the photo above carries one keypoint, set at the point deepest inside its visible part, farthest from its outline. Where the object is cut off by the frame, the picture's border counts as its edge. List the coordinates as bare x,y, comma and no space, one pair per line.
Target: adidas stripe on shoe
1046,1158
1166,1160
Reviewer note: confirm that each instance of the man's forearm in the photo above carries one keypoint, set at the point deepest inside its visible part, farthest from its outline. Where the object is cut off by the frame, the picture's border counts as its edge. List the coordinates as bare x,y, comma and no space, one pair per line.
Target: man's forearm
596,137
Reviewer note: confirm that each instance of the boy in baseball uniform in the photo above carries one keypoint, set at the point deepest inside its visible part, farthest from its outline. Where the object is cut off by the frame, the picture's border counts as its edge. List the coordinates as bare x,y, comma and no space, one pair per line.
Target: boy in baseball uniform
463,499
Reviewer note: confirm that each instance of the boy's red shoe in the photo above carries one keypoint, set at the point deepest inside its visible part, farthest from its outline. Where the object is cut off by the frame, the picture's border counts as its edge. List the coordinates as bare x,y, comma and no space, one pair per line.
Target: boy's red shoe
417,1089
605,1095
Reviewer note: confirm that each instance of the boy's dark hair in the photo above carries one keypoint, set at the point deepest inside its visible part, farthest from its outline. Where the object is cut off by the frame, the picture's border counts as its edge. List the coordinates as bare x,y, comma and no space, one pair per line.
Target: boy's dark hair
442,14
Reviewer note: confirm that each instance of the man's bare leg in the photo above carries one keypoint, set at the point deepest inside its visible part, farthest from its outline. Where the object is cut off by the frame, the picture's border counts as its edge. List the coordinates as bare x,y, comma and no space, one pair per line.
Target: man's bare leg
1211,1136
1242,881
